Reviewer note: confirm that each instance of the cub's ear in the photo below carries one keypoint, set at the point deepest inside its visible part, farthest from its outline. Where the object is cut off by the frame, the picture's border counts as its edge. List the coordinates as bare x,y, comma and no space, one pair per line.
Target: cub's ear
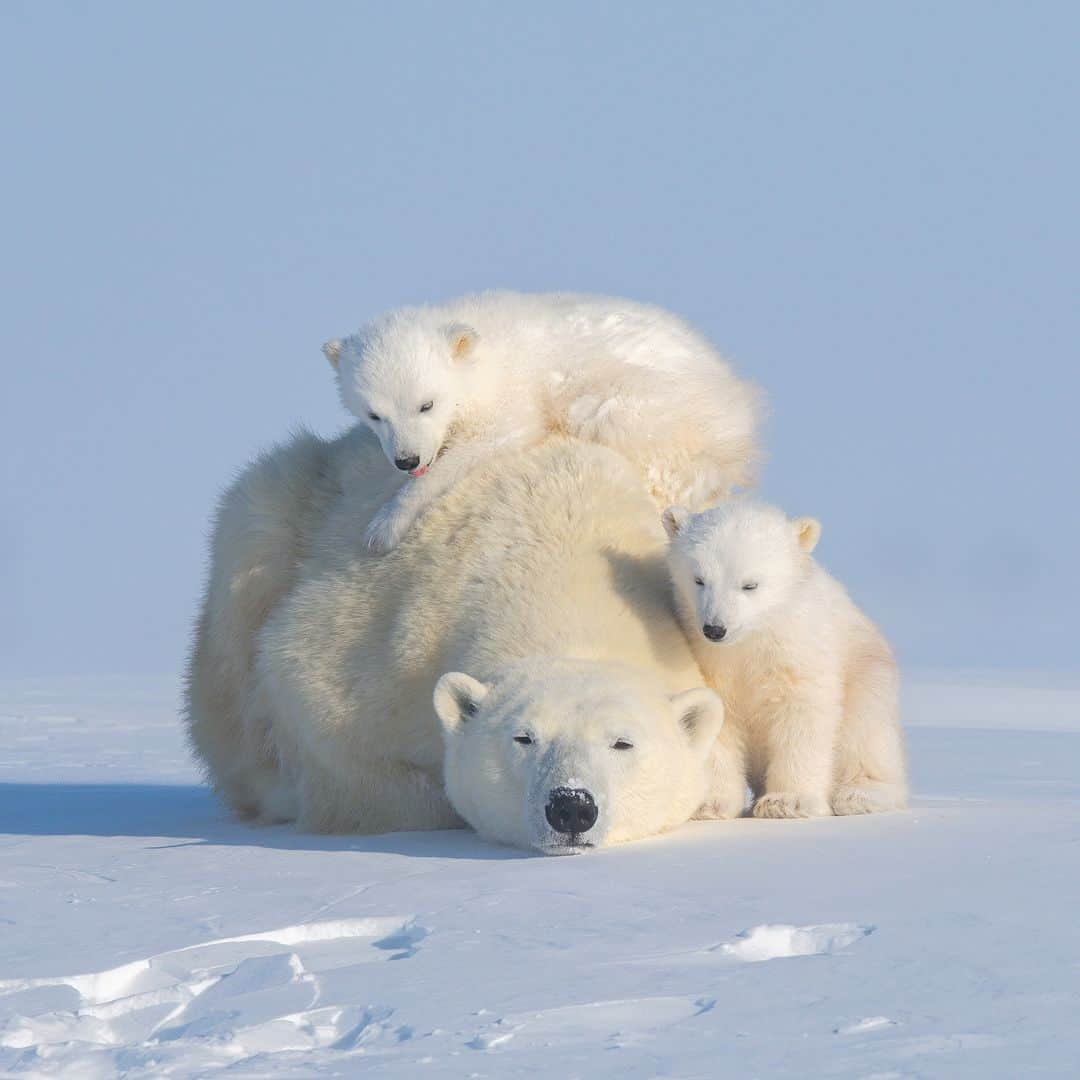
807,532
332,351
700,714
674,518
462,340
457,697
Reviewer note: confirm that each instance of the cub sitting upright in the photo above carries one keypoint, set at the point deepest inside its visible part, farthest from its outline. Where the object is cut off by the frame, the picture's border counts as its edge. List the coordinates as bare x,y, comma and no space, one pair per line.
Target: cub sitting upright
808,681
445,388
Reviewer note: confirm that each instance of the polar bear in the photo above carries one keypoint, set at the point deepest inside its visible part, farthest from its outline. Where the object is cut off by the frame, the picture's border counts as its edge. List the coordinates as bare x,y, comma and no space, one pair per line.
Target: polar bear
809,683
522,642
448,387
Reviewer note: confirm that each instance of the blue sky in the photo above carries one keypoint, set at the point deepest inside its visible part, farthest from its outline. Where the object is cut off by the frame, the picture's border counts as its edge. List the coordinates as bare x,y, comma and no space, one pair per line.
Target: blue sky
871,208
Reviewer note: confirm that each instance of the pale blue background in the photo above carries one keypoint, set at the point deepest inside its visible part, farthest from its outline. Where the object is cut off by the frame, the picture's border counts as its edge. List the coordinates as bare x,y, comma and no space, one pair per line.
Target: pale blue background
871,207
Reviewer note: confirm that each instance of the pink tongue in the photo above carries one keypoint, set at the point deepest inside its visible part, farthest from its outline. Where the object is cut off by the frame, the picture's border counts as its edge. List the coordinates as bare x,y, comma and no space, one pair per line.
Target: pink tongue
419,472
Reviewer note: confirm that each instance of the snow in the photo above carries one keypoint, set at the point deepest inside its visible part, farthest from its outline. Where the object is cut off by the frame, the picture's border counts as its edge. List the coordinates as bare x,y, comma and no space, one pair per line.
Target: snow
773,942
144,934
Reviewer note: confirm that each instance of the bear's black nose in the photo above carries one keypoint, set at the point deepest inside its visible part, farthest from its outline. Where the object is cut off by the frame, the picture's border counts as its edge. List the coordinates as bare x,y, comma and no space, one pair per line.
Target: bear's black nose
571,810
407,464
714,631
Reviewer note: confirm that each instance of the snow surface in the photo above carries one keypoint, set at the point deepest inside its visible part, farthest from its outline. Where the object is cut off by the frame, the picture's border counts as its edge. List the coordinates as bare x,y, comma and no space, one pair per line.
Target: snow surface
142,933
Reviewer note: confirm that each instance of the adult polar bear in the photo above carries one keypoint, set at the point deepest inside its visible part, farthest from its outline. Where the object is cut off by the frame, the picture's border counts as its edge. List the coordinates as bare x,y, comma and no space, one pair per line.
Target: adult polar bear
573,714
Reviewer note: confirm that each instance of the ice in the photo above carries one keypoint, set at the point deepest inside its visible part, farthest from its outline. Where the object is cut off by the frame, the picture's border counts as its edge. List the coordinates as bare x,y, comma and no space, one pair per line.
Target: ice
143,933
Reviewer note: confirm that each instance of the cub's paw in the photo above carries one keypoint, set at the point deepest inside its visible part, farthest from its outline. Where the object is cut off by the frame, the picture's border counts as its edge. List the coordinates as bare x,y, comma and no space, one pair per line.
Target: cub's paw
384,531
782,804
722,809
726,800
869,799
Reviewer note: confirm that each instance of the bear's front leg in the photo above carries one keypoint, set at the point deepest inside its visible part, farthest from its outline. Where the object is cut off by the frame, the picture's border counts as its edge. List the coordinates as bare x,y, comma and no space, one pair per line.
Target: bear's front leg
726,794
391,522
798,775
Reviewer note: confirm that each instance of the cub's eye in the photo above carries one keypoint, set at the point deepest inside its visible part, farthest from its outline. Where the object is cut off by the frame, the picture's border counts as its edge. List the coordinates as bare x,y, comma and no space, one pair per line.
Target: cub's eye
699,581
523,740
622,744
750,586
374,416
427,406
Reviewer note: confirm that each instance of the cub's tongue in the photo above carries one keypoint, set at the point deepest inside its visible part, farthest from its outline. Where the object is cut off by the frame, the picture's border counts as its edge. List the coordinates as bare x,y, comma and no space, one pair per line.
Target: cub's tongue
418,472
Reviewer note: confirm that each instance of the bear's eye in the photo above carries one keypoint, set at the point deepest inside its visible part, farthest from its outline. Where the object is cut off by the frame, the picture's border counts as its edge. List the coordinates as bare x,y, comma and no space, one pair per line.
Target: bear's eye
749,586
699,581
427,406
374,416
523,740
622,744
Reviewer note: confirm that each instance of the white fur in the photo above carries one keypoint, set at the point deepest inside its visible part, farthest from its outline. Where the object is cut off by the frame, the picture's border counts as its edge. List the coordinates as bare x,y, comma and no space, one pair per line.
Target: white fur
501,368
809,684
607,730
538,587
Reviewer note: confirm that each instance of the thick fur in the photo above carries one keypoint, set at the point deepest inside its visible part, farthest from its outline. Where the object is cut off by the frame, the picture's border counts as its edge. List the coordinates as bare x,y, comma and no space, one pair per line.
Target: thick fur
260,532
809,683
446,388
541,579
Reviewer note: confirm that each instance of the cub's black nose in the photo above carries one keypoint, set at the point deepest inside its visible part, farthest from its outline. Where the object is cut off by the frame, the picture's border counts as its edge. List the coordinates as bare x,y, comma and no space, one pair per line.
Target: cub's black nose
407,464
714,631
571,810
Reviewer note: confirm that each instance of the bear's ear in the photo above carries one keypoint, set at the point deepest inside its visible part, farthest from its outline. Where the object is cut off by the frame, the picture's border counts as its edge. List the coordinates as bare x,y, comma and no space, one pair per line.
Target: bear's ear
700,715
674,518
457,697
807,532
462,341
332,351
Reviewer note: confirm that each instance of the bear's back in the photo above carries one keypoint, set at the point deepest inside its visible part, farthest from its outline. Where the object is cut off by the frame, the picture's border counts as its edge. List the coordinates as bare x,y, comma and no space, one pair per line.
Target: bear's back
557,551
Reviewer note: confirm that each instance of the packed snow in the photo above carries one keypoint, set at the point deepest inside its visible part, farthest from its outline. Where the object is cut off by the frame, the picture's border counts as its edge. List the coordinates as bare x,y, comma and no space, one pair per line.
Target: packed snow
144,934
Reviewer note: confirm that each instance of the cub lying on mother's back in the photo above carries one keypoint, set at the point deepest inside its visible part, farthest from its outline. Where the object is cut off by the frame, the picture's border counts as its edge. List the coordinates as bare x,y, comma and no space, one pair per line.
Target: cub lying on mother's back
809,683
448,387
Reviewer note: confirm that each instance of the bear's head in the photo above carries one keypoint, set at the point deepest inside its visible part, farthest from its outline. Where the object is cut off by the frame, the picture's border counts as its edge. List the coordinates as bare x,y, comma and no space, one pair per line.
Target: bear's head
736,567
403,377
564,756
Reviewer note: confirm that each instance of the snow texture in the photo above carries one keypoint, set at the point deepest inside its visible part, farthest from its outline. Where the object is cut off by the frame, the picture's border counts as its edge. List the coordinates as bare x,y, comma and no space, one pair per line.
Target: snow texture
144,934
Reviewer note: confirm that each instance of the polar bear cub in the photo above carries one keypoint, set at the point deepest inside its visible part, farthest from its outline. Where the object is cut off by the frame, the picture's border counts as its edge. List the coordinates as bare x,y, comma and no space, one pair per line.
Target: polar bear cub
807,679
446,387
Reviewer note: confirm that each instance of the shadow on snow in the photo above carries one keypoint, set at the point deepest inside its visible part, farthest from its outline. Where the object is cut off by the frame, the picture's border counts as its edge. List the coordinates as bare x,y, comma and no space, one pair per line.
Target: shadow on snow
192,814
